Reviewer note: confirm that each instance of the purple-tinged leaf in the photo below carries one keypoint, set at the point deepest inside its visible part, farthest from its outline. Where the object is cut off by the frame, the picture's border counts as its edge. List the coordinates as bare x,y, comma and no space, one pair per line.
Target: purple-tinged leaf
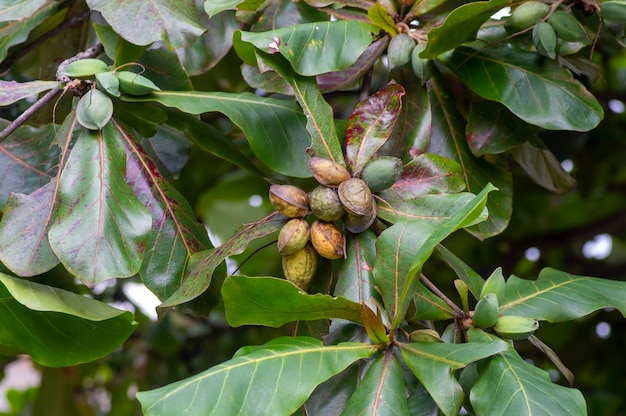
371,124
176,234
169,149
143,23
101,229
27,160
434,208
447,138
212,7
199,273
273,302
12,91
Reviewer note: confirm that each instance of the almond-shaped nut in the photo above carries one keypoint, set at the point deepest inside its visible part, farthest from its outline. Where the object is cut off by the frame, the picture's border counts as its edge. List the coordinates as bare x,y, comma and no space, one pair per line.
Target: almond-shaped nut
84,68
381,172
293,236
94,110
356,197
289,200
135,84
325,204
399,50
327,239
358,223
327,172
567,27
527,14
299,267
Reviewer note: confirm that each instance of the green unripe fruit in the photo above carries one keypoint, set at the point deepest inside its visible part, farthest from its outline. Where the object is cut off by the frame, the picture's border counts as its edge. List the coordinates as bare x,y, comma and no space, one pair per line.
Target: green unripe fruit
494,284
527,14
515,327
422,68
84,68
300,267
135,84
382,172
94,110
544,38
567,27
486,311
325,204
293,236
108,82
614,11
399,50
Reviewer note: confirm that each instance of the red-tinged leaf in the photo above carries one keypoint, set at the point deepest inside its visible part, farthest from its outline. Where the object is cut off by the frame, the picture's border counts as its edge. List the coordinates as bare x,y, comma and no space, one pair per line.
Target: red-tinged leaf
27,160
12,91
273,302
447,138
199,273
374,326
101,229
371,124
176,234
382,390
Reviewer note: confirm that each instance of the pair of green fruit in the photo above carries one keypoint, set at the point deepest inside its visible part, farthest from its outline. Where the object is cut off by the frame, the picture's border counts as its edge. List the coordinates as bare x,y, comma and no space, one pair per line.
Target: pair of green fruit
95,108
487,313
403,49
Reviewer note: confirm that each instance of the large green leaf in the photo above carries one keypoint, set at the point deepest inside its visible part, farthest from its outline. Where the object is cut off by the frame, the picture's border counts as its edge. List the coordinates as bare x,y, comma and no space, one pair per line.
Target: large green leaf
16,31
58,328
202,264
274,128
371,124
460,26
101,229
507,384
27,160
381,391
274,302
273,379
316,48
143,23
432,364
557,296
447,138
175,235
11,91
403,248
19,9
537,90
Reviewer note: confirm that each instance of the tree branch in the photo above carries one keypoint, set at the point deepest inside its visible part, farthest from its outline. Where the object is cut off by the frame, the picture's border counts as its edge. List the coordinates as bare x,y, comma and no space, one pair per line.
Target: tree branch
433,288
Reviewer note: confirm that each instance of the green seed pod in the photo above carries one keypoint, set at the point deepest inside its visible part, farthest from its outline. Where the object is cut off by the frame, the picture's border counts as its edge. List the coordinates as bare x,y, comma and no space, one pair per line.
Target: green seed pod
515,327
425,335
486,311
399,50
359,223
614,11
382,172
544,38
325,204
84,68
567,27
422,68
94,110
135,84
327,172
356,197
108,82
290,201
327,239
300,267
494,284
527,14
293,236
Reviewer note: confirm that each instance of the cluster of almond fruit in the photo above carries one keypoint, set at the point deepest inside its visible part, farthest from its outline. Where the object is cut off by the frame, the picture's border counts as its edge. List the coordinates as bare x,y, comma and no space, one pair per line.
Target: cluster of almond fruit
340,203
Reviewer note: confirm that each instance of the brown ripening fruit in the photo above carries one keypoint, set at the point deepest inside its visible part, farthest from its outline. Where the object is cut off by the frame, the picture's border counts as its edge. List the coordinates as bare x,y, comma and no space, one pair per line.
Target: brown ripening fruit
327,239
356,197
300,267
290,201
359,223
325,204
293,236
327,172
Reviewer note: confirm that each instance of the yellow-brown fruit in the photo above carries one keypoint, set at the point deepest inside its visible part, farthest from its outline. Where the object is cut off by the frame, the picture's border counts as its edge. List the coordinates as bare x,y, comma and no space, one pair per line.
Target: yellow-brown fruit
356,197
290,201
293,236
327,239
299,267
325,204
327,172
